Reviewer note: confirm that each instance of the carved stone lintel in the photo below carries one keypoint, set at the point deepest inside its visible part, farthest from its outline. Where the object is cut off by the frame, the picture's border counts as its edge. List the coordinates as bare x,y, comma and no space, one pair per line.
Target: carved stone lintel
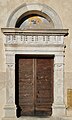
26,39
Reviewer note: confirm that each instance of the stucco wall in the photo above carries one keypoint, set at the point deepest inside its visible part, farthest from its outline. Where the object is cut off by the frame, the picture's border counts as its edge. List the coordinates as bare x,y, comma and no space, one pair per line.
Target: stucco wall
64,9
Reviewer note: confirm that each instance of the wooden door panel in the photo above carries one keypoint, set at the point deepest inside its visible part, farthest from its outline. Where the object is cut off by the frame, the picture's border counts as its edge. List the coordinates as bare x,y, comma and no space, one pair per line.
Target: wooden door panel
26,86
44,72
35,85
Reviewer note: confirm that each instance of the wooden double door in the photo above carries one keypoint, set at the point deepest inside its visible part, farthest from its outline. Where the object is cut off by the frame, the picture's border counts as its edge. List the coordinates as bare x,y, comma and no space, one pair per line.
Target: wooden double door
34,85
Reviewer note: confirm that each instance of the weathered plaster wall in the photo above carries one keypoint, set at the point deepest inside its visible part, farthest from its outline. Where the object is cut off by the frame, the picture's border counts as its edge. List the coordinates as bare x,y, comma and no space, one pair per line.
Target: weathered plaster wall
64,10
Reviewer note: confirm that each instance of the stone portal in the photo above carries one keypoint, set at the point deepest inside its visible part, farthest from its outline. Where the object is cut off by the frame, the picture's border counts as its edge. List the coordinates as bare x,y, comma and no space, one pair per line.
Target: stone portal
35,42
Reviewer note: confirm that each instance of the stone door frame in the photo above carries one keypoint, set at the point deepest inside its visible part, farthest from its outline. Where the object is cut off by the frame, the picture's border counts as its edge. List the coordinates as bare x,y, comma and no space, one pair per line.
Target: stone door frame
41,42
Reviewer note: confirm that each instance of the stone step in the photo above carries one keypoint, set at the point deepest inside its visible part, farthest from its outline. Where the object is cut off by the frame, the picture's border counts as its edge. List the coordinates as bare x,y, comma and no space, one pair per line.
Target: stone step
40,118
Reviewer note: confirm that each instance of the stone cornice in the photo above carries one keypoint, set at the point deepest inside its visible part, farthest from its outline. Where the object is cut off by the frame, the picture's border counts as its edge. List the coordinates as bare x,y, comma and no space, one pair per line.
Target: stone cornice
39,32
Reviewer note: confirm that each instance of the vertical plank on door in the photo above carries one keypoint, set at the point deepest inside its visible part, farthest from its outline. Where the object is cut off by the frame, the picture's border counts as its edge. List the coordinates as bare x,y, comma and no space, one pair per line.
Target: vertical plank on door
44,91
26,86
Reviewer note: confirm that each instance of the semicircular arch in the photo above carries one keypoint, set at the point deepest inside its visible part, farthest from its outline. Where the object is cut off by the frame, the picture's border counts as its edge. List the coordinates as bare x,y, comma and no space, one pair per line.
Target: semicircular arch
39,9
